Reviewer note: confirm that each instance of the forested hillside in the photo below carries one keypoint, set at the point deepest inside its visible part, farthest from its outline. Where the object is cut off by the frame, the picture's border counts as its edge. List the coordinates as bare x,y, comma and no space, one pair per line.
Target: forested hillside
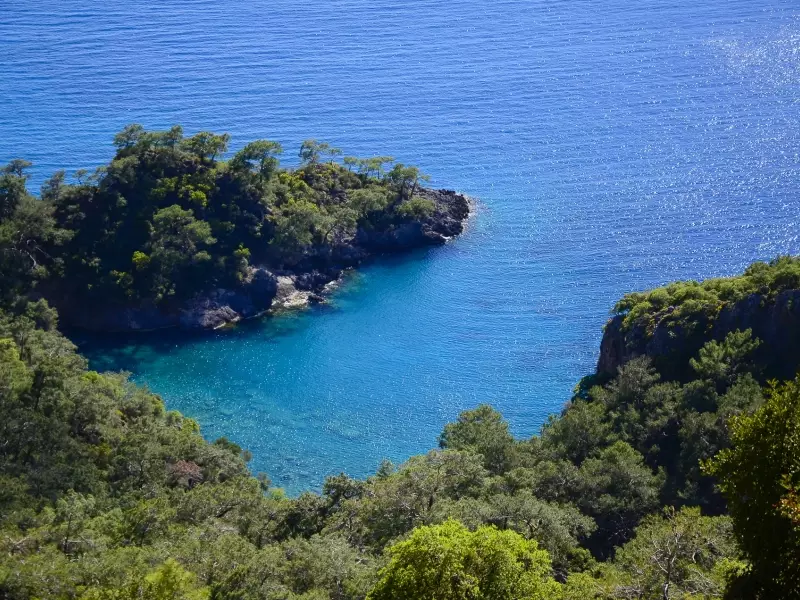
644,487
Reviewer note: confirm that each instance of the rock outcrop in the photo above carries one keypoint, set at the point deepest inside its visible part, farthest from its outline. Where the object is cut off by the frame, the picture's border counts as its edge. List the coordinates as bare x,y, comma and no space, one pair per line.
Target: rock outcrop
214,309
447,221
774,321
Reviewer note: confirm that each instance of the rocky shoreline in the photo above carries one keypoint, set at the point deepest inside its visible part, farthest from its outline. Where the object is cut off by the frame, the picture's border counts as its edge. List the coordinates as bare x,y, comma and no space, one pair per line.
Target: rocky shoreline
268,289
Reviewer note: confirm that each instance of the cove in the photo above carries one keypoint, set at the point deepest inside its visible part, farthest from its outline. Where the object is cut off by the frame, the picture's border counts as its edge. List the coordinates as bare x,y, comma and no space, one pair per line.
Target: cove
612,147
332,388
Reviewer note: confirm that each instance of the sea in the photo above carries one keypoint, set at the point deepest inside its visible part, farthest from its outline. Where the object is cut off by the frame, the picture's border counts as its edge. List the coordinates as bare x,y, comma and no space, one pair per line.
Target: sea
610,145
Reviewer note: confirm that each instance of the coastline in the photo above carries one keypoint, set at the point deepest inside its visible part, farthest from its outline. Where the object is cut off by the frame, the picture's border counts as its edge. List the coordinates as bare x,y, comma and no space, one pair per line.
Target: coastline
269,290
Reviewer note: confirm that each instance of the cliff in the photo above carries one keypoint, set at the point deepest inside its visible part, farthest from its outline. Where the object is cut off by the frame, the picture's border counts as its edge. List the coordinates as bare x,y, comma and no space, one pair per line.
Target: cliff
774,318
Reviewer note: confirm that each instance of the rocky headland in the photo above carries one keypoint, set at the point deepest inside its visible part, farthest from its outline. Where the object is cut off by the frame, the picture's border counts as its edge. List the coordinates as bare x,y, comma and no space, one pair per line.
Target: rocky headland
677,320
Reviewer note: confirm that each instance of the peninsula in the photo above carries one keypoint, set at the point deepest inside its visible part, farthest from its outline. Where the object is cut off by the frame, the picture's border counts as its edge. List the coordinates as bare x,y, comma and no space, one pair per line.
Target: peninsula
169,234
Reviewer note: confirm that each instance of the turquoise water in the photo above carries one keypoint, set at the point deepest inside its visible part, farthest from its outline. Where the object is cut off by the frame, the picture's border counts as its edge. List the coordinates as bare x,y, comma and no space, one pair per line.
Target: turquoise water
613,146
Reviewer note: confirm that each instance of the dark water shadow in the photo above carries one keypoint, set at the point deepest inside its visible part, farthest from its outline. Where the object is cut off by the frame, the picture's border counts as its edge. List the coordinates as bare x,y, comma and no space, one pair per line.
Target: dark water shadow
127,351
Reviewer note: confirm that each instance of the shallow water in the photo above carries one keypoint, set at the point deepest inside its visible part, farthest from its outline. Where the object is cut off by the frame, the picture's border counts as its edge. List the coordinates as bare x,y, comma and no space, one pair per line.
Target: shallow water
613,146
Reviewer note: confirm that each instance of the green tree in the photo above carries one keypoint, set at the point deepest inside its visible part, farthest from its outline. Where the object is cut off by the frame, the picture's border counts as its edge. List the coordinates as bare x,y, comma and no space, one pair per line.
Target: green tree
617,489
27,231
416,208
368,200
375,166
296,225
129,136
72,512
169,581
260,156
339,224
173,137
406,180
759,476
678,554
12,187
328,563
722,362
558,528
206,145
54,186
177,239
485,432
449,562
580,431
398,502
312,150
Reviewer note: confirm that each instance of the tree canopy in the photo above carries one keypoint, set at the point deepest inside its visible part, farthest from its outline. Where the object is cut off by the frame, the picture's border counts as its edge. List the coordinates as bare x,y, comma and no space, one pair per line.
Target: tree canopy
450,562
760,477
169,217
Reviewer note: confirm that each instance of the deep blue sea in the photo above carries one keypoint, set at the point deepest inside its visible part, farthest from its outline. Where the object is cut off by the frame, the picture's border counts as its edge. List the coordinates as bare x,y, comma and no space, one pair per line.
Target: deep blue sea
613,146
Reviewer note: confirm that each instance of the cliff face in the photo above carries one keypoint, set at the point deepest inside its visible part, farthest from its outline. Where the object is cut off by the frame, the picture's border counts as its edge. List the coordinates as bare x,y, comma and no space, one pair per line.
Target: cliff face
615,349
776,322
268,288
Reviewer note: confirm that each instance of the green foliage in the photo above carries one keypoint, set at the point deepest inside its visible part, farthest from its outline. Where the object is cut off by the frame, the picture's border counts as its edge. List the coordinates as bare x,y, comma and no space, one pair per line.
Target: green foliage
177,249
297,225
760,475
28,233
206,146
558,528
170,581
579,432
375,166
482,431
312,150
129,136
105,494
447,561
674,555
140,260
368,200
416,209
260,156
691,305
12,187
405,180
722,362
618,489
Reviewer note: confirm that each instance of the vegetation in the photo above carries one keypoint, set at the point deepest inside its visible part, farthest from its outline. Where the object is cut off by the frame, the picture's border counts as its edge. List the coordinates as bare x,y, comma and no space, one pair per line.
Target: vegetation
671,479
450,561
689,304
674,321
760,477
168,217
105,494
